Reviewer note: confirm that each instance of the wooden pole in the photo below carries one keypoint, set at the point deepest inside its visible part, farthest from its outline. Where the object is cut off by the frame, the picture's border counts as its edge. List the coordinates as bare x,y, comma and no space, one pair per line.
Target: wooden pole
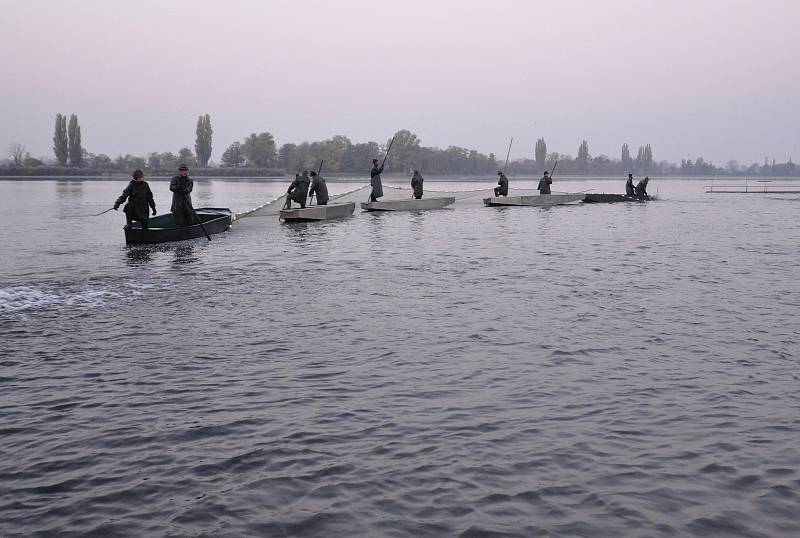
507,154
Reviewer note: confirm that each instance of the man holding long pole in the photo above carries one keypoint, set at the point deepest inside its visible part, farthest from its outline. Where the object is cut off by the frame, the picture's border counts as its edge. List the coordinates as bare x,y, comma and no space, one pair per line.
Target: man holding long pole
375,176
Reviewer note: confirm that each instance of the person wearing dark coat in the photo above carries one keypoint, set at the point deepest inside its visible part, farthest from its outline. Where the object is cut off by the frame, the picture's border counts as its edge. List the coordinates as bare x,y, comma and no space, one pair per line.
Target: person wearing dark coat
298,190
416,184
139,197
375,181
319,188
181,187
641,187
544,184
629,190
502,190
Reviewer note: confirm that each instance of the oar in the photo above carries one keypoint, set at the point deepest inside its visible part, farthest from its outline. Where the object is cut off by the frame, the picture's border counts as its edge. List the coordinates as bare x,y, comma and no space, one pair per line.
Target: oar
507,154
84,216
189,203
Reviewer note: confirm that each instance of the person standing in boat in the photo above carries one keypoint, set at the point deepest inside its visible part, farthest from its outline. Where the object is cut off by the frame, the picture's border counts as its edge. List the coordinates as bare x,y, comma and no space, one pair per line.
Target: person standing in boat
416,184
375,181
641,187
298,190
629,190
502,190
139,197
544,183
181,187
319,188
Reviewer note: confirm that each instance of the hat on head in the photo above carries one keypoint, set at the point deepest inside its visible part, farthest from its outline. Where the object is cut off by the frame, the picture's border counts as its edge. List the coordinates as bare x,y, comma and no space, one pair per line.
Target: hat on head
183,167
137,173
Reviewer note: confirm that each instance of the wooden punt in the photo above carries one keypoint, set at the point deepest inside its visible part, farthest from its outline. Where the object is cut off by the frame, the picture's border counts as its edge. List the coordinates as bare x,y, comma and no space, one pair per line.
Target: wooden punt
318,212
162,228
535,200
611,198
408,205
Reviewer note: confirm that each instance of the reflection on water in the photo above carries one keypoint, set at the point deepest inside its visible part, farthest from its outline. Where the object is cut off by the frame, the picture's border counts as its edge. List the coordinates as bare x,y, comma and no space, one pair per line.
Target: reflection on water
139,254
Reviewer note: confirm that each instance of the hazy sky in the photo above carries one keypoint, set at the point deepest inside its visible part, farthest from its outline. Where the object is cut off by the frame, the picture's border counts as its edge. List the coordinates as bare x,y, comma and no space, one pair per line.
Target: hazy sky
717,78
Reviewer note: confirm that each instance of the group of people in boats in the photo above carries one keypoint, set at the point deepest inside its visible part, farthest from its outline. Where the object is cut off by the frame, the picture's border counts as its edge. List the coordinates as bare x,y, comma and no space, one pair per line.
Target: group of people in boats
305,186
140,199
640,190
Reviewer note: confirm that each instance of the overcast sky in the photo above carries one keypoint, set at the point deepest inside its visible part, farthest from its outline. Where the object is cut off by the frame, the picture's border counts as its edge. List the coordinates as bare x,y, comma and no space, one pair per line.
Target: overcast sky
717,78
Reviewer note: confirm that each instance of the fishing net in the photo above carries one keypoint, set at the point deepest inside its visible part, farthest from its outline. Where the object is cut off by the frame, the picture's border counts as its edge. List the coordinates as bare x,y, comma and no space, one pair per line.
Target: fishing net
390,192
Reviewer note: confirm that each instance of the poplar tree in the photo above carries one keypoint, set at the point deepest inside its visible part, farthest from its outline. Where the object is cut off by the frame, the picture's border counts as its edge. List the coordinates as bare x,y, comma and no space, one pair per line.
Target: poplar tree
60,144
202,145
541,153
583,156
74,142
626,159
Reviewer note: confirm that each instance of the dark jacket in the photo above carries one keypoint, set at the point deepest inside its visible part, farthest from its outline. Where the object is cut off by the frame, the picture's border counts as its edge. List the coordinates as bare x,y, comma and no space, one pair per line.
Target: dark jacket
319,188
544,185
641,187
503,189
181,188
416,184
298,190
629,190
375,181
139,197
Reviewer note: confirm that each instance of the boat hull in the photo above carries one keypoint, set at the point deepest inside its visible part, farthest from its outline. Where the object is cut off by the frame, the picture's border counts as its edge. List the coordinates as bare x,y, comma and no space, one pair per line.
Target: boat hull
408,205
162,228
318,212
611,198
535,200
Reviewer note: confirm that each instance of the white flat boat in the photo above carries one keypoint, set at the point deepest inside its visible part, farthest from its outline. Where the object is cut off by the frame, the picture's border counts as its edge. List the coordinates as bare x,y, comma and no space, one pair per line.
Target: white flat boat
318,212
535,200
408,205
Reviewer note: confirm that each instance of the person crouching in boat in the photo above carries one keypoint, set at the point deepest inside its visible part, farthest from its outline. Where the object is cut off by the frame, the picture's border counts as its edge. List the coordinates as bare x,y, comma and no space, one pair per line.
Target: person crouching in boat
181,187
298,190
641,187
502,190
139,196
375,181
544,183
629,189
416,184
319,188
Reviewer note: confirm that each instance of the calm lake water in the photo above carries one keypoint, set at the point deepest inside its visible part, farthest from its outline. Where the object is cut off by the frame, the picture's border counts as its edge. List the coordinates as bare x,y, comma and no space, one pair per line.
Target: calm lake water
587,370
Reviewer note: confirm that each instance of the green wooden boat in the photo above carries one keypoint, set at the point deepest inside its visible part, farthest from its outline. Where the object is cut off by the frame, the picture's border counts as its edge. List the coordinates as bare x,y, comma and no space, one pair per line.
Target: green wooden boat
162,228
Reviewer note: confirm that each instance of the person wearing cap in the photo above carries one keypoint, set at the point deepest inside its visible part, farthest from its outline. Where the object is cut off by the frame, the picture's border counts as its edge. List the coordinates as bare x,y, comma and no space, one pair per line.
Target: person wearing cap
375,181
298,190
629,190
139,196
319,188
641,187
502,190
544,183
181,187
416,184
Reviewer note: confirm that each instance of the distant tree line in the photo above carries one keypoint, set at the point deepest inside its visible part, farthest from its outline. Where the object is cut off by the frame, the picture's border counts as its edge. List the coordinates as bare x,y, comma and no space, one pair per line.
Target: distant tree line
259,155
